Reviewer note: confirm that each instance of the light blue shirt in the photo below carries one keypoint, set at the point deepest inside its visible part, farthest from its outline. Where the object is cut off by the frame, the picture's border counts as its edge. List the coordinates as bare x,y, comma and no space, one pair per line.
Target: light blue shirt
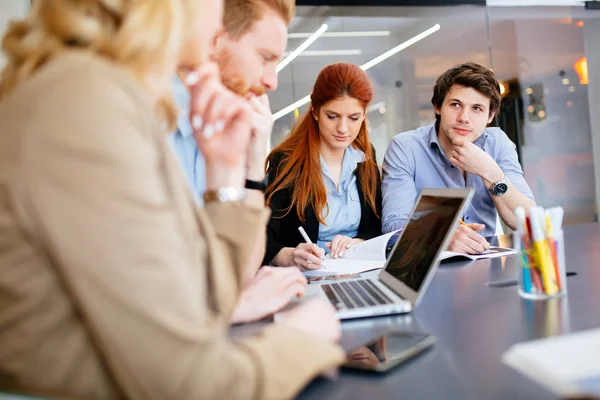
183,143
415,160
343,202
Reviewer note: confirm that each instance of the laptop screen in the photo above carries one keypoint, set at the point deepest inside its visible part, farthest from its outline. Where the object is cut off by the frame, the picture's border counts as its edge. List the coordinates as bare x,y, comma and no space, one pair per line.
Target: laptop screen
423,236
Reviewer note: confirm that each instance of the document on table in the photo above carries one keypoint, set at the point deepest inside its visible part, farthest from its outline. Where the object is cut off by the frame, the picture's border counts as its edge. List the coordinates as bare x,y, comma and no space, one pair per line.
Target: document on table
493,252
342,266
372,249
566,365
363,257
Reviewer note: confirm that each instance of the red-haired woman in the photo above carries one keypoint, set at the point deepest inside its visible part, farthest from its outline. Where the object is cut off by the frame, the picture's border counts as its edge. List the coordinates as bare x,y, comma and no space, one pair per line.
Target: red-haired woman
324,176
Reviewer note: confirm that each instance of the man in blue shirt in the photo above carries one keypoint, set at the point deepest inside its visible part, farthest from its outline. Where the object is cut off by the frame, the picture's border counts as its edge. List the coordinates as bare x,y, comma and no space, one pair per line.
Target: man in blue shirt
247,52
458,151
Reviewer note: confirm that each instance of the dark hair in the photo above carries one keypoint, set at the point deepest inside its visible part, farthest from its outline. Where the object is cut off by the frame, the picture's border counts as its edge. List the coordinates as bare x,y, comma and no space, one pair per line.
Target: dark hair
470,75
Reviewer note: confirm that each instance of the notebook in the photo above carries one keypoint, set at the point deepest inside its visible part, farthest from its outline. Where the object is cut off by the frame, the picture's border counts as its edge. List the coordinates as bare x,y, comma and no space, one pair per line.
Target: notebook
371,254
567,365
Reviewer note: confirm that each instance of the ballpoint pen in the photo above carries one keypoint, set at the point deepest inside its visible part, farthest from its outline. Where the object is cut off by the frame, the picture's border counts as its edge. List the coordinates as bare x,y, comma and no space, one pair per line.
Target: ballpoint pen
307,240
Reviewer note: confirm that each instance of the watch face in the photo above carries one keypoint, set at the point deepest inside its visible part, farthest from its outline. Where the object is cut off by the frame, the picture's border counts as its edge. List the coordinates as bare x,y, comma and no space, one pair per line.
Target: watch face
500,188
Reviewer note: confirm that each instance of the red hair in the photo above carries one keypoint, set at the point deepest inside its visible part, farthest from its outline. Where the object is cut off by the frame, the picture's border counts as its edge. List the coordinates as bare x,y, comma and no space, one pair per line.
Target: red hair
300,166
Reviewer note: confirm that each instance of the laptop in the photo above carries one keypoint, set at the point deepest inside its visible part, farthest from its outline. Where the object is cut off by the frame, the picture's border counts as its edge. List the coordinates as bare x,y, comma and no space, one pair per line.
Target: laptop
410,266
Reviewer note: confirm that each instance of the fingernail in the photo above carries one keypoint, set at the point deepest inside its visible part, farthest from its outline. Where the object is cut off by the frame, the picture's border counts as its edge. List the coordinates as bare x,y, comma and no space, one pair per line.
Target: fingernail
197,122
219,125
208,132
347,246
192,78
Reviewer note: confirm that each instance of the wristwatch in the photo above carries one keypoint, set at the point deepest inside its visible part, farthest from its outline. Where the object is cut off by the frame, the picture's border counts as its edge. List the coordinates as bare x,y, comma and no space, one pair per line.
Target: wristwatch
225,195
500,187
257,185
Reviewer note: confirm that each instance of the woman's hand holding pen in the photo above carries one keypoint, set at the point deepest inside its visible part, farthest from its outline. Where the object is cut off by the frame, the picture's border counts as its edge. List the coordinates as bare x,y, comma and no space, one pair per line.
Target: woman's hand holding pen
308,256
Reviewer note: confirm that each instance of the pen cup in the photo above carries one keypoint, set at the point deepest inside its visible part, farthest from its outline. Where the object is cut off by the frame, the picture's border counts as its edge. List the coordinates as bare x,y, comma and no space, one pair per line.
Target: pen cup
541,269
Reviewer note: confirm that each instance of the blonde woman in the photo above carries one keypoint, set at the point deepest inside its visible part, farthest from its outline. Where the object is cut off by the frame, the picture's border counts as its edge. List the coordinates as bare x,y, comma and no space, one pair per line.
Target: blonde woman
112,283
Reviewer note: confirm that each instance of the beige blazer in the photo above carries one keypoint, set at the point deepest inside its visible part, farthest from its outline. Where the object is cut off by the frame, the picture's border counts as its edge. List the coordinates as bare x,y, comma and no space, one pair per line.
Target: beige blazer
112,283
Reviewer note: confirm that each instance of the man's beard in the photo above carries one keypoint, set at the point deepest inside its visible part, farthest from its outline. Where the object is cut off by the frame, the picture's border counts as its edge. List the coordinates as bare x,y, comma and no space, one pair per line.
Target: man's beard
231,75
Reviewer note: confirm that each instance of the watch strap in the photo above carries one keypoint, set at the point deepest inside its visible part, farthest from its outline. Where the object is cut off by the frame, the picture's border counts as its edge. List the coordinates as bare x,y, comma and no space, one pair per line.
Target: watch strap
256,185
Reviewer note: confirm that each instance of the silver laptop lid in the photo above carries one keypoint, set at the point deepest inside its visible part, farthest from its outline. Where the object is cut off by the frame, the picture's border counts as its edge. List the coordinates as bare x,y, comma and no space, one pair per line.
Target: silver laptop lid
430,226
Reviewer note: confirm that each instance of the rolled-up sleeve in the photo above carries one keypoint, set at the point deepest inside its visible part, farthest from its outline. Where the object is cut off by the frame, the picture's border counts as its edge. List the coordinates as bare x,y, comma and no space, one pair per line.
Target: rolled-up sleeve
508,161
398,187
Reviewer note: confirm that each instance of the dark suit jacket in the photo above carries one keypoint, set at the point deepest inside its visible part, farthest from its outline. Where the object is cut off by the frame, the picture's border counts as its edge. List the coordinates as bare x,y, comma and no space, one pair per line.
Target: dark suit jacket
283,231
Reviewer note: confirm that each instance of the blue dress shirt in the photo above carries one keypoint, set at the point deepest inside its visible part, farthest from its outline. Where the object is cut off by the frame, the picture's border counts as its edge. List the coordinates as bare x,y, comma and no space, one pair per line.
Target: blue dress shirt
415,160
343,202
183,143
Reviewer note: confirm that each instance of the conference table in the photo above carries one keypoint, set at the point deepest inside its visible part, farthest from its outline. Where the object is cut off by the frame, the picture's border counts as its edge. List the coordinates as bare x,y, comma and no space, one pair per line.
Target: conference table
474,325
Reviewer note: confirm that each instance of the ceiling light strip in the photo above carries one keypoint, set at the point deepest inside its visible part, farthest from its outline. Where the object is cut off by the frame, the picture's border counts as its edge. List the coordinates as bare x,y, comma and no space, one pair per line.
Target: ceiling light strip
301,48
291,107
365,67
342,34
401,47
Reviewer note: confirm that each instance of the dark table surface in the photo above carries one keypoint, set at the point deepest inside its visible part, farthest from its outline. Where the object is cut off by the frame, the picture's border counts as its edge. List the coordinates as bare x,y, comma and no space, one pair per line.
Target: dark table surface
474,325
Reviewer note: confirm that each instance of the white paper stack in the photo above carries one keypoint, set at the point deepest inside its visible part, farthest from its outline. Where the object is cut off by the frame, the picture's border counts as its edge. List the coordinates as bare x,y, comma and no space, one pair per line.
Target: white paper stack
567,365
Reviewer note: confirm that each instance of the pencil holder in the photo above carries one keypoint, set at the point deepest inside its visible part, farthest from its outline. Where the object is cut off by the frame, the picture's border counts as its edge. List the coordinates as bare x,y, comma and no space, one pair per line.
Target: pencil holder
541,270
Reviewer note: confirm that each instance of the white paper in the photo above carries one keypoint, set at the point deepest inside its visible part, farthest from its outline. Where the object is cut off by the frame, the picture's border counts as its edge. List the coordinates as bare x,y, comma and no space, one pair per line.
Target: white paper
343,266
493,252
363,257
566,365
372,249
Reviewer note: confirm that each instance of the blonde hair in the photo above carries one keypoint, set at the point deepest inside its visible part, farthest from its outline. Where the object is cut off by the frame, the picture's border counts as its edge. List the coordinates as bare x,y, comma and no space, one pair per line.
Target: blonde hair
240,15
143,35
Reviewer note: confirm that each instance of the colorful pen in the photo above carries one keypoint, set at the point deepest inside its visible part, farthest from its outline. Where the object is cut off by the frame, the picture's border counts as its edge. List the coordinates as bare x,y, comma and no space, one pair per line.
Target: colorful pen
542,252
552,246
521,232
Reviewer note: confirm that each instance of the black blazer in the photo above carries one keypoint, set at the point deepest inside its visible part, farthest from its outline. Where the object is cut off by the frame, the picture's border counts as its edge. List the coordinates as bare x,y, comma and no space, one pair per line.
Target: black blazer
283,231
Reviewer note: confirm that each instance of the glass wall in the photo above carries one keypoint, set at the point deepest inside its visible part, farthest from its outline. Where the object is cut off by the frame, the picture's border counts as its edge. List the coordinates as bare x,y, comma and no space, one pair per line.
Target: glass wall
435,38
533,50
538,49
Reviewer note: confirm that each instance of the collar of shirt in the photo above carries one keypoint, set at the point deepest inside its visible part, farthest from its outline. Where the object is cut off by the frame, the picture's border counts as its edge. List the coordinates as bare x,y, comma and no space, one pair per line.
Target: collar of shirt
352,157
182,99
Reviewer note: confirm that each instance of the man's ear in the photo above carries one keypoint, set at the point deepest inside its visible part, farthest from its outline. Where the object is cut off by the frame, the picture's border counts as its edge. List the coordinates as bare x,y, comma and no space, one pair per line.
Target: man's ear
492,115
437,110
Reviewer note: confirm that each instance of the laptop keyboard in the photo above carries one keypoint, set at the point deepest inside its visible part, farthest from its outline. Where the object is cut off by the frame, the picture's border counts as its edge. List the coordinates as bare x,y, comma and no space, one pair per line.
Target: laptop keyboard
355,294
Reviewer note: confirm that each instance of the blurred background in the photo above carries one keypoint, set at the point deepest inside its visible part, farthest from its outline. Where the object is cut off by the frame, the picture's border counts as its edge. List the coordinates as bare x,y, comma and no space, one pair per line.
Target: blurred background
546,53
543,51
